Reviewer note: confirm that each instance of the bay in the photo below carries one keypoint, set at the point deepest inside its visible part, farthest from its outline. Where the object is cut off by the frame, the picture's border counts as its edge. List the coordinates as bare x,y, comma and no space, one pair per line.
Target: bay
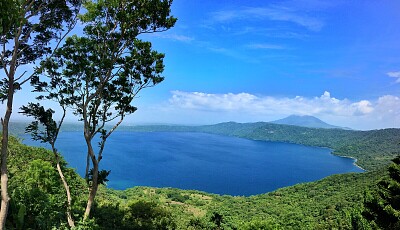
206,162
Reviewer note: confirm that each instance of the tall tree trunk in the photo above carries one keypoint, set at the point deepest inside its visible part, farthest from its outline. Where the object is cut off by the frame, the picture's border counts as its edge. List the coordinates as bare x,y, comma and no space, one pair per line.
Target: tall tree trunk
4,152
93,189
4,173
70,220
87,168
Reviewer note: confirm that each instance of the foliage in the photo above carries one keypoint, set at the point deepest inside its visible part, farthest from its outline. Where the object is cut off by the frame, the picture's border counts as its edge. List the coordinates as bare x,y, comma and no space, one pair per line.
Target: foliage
317,205
38,194
332,203
48,133
26,32
29,26
178,197
102,177
98,75
35,190
260,224
44,118
147,215
335,202
217,219
383,205
8,14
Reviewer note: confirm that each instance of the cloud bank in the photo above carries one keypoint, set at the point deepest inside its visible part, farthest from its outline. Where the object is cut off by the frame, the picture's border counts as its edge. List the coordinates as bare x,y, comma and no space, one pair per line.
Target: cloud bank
245,102
382,112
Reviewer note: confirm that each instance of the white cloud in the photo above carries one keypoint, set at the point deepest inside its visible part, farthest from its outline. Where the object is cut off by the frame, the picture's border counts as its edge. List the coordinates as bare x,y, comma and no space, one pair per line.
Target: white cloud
362,107
204,101
264,46
250,103
395,75
388,104
382,112
174,37
274,13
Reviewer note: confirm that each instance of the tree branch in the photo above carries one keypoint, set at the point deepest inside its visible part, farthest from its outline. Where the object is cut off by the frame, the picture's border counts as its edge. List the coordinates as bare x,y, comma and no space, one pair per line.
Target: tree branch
18,78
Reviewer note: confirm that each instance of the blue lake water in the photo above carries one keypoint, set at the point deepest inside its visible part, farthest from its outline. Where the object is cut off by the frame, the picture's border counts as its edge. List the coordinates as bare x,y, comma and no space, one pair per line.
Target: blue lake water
206,162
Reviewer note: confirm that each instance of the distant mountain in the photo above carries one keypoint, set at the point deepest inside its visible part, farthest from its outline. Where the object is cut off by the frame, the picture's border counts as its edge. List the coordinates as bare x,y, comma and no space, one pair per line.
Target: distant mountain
306,121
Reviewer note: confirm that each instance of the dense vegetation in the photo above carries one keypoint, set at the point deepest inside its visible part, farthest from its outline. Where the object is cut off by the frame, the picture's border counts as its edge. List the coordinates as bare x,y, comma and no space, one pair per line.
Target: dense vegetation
335,202
383,205
38,198
97,75
373,149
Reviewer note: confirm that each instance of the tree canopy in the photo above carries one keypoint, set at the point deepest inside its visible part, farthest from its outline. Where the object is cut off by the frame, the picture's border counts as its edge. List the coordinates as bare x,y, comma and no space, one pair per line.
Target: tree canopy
99,74
26,31
383,205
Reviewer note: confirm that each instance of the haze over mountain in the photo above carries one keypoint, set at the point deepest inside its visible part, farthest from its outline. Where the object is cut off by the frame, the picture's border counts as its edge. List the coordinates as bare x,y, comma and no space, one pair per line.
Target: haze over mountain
306,121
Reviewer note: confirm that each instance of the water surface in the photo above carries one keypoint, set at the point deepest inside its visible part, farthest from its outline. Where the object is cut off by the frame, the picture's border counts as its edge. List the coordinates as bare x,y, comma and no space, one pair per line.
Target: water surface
206,162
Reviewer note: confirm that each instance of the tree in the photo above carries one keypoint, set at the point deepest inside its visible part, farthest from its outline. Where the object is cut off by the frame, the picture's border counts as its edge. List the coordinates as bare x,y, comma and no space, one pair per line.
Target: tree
26,30
104,70
49,135
217,219
36,195
8,14
147,215
383,207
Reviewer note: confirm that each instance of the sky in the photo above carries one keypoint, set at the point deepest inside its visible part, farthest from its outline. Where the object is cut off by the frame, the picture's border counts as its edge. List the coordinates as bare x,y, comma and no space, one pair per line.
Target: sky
248,61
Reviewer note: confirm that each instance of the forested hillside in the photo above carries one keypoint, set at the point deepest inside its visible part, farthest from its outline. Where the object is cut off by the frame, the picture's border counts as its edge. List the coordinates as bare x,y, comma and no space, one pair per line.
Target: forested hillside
90,61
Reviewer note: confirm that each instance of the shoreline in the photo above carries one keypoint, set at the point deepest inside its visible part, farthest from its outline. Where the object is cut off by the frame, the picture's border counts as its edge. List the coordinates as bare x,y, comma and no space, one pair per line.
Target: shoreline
354,161
316,146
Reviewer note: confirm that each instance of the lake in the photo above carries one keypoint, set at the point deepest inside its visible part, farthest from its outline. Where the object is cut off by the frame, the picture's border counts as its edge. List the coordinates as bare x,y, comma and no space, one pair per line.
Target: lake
206,162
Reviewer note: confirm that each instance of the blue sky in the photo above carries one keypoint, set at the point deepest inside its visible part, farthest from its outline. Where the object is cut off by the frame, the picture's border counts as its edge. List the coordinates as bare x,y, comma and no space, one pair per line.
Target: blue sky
249,61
